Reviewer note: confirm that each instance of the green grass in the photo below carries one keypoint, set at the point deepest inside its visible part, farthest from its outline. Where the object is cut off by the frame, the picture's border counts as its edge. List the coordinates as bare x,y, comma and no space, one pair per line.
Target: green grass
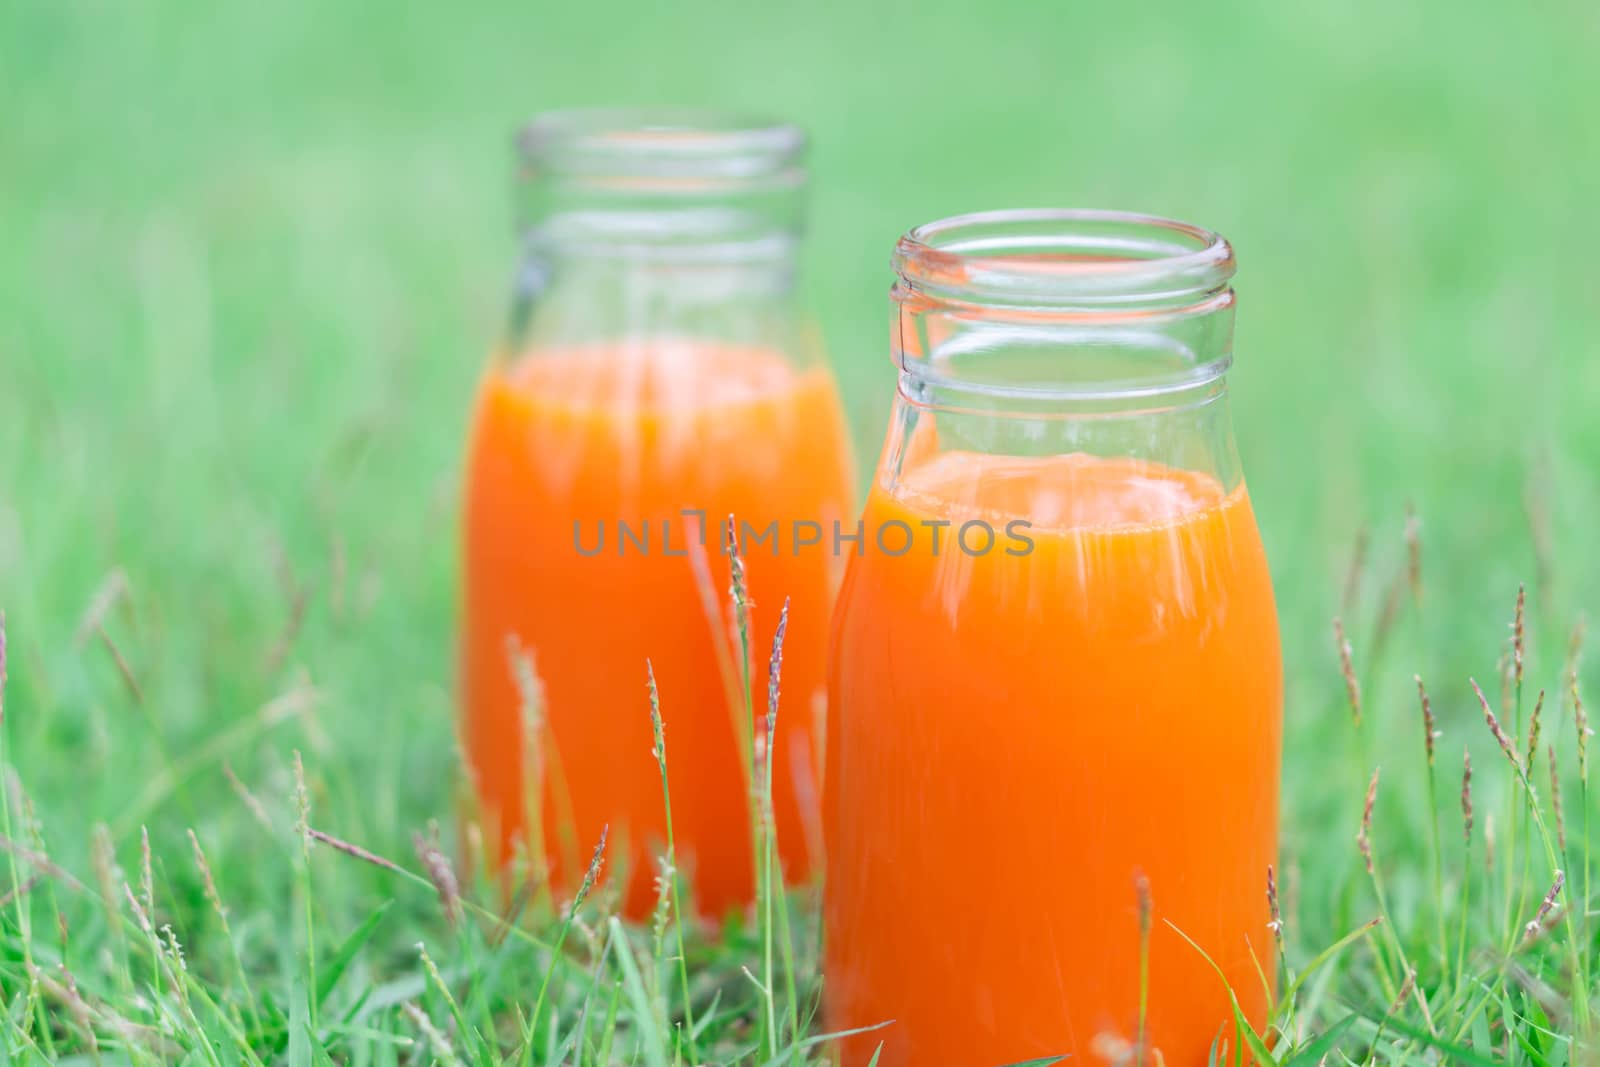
251,257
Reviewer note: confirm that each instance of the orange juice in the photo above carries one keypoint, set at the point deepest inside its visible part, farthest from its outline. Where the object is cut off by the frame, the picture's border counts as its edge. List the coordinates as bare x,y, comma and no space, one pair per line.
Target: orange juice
582,463
1016,736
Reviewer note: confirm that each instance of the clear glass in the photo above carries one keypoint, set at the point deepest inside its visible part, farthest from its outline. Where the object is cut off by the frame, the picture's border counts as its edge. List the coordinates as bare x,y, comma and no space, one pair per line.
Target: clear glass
1055,687
657,376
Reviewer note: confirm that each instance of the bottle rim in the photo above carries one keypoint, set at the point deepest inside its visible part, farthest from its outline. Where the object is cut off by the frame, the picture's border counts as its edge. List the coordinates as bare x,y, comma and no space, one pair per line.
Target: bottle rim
1062,259
664,149
1081,280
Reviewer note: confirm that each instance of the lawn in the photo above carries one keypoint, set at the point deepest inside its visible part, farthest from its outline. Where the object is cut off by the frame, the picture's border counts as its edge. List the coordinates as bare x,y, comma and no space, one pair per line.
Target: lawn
252,257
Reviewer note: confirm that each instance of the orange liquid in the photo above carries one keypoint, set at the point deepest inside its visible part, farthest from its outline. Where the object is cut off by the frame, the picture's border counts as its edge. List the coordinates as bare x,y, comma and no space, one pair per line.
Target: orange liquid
1012,739
635,434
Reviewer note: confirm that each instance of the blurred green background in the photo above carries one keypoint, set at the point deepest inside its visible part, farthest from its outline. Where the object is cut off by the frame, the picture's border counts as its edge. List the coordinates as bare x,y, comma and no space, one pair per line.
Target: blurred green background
253,255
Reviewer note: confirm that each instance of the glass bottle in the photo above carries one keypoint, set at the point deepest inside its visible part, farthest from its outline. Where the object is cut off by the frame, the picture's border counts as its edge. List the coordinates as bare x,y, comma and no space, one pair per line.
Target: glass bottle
657,377
1055,687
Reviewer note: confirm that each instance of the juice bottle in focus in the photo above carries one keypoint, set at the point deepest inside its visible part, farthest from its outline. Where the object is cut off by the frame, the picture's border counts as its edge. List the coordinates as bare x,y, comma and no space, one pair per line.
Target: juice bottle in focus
657,379
1055,687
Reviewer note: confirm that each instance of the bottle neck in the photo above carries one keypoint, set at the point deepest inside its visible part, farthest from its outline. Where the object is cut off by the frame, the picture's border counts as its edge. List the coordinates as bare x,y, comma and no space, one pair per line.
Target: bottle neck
1049,332
579,286
657,225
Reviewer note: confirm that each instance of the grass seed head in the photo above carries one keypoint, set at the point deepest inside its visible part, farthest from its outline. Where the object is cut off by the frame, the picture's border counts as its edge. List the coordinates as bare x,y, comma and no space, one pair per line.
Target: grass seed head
1533,731
738,586
1406,989
38,859
147,882
530,690
169,941
592,874
530,705
124,669
1274,911
1141,892
474,853
1536,924
1393,601
1357,570
1500,736
433,971
1580,719
28,885
441,874
658,726
775,669
1555,799
213,897
354,851
103,857
1519,632
302,807
1466,795
661,914
531,720
443,1051
66,991
82,1014
1364,836
1352,687
1430,732
766,743
251,802
140,915
1580,629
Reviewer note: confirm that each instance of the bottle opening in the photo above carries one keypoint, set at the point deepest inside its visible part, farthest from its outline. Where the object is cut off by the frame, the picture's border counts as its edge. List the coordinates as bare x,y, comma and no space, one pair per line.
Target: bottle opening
663,184
1057,259
666,150
1050,306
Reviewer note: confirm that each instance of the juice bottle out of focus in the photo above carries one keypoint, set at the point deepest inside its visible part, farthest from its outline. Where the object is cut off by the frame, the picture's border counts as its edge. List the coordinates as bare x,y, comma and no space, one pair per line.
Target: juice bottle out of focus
1055,683
656,379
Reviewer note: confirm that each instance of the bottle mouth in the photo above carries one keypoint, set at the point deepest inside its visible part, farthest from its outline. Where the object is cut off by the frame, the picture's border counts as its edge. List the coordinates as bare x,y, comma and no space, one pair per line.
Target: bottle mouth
670,185
1063,259
1048,311
664,150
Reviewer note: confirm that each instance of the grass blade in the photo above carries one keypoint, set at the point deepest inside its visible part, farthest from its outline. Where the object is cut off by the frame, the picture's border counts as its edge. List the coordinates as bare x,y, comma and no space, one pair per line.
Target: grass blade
633,984
348,950
1257,1047
1312,1052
